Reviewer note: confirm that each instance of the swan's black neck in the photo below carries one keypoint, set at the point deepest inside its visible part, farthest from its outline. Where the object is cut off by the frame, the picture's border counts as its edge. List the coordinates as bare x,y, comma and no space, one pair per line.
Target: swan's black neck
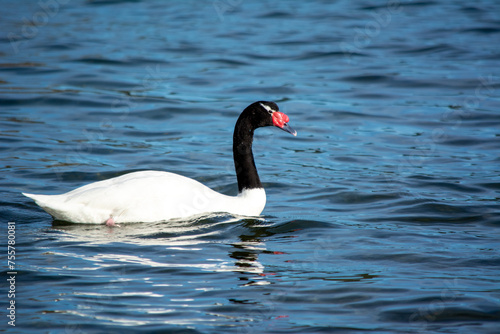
246,172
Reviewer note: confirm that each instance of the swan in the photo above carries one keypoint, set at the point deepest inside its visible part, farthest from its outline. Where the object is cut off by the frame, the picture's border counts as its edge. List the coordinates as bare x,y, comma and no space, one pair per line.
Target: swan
158,196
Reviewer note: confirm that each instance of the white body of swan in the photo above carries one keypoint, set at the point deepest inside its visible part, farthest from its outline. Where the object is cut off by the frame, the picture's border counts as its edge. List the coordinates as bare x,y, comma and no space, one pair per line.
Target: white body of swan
147,196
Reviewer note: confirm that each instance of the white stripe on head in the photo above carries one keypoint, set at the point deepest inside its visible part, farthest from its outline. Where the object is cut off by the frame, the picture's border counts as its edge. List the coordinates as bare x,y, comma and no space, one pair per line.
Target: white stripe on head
268,108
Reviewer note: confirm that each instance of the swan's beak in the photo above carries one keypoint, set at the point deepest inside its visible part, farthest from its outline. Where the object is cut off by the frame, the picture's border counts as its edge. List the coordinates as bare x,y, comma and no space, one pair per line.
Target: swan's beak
280,120
289,129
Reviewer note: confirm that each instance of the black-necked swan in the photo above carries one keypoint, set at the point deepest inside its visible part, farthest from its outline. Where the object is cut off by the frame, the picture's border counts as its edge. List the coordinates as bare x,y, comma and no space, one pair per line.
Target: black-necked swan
155,196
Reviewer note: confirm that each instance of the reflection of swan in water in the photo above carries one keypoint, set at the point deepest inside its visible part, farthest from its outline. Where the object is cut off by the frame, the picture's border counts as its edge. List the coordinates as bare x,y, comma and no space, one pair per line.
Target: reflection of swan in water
246,254
176,238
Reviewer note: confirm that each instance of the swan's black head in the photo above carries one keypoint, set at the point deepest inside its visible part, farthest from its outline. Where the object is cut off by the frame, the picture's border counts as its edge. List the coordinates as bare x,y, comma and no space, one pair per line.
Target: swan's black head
265,113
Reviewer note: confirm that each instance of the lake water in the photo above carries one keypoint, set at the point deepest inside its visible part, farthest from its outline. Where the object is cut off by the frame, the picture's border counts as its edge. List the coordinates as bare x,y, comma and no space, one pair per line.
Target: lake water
383,214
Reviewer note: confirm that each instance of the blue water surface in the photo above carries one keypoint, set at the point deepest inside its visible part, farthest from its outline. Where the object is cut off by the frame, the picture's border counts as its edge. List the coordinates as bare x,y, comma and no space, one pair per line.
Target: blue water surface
383,214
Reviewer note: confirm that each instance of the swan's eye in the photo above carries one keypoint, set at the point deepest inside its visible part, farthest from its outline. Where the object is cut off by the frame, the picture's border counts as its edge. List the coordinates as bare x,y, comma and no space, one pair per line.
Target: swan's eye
268,108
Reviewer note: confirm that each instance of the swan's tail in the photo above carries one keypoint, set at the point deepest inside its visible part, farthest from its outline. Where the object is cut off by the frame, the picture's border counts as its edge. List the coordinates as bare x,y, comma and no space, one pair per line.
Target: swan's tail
41,200
50,203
